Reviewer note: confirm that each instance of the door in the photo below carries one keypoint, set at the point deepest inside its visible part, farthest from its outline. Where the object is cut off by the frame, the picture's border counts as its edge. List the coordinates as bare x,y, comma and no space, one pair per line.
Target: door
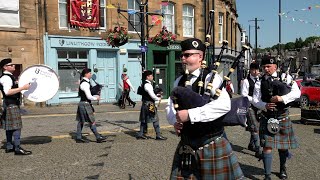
107,75
161,80
135,74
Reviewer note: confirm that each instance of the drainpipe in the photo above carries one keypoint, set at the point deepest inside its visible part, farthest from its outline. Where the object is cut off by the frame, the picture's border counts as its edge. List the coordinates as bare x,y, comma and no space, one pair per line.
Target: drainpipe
38,29
213,28
205,17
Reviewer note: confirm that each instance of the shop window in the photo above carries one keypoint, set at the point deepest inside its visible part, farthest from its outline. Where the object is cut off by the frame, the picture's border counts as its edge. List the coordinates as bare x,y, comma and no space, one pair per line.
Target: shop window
9,13
83,54
134,55
62,54
69,77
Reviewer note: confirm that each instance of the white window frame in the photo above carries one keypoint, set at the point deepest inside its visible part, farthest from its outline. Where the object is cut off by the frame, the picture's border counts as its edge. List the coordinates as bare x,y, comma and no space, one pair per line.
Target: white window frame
220,22
185,15
134,18
6,8
66,14
103,7
171,29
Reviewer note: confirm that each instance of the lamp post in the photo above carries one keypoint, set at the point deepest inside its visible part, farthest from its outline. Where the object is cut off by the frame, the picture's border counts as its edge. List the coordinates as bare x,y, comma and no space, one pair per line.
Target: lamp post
279,44
256,35
143,7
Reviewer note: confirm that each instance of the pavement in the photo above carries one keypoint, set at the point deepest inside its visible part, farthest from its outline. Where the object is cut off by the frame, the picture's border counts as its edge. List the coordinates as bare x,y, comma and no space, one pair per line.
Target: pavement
49,132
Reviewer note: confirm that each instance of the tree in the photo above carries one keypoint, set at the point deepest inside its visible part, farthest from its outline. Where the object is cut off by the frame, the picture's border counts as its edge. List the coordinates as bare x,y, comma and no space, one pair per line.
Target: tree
310,39
289,45
298,43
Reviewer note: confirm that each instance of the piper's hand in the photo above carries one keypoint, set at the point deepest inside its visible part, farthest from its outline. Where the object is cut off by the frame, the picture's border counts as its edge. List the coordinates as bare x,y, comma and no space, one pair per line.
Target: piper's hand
98,97
26,86
182,116
178,127
275,99
271,106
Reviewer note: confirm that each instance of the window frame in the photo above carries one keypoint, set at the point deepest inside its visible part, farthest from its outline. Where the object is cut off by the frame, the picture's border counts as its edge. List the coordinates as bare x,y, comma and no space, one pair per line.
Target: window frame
134,18
66,13
187,16
8,11
172,15
104,14
220,23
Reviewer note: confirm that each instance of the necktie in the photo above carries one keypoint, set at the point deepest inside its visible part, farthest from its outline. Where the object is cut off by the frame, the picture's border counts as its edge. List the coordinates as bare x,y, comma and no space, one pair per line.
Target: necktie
255,80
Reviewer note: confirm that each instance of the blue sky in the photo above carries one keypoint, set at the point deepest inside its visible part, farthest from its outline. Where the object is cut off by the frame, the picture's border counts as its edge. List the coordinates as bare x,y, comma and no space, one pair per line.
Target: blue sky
268,11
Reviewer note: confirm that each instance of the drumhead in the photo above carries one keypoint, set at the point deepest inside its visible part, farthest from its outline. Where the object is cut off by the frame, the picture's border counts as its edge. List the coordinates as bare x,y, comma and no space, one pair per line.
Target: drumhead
44,83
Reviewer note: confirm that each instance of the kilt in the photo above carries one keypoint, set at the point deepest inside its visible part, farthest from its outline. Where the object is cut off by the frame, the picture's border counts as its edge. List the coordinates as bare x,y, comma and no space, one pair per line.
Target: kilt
85,112
284,139
11,118
253,121
216,161
146,116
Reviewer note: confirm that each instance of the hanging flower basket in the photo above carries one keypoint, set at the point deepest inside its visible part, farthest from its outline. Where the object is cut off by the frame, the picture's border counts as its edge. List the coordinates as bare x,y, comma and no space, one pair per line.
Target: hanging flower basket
117,37
164,38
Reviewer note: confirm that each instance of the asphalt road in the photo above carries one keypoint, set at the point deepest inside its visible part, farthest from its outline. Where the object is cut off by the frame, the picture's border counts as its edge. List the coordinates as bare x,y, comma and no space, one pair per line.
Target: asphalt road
57,156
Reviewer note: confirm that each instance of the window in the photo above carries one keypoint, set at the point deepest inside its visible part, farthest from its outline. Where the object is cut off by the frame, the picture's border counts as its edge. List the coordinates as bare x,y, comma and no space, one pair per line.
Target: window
102,14
69,84
168,19
220,27
9,13
188,21
134,19
63,17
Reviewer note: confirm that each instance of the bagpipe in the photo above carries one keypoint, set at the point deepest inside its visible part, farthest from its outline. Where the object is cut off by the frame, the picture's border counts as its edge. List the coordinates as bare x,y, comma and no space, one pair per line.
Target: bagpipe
95,90
185,98
296,74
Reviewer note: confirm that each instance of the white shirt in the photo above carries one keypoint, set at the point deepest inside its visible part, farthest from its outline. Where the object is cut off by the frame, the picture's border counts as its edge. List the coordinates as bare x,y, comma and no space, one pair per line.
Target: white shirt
245,87
129,83
208,112
6,82
85,86
291,96
149,89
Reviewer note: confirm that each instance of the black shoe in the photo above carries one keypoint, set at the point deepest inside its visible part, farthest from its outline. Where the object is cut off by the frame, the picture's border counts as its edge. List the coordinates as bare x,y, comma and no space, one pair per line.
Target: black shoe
161,138
21,151
259,155
142,137
82,141
9,150
267,177
101,139
133,104
251,147
283,173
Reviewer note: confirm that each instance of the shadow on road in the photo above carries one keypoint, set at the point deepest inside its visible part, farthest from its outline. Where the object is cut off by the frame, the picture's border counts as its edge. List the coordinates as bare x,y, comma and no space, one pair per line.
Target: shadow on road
120,124
36,140
249,171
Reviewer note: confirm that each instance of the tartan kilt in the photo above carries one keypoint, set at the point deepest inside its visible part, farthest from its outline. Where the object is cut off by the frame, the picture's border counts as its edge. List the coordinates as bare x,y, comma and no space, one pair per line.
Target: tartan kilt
11,118
145,115
284,139
253,121
85,112
215,161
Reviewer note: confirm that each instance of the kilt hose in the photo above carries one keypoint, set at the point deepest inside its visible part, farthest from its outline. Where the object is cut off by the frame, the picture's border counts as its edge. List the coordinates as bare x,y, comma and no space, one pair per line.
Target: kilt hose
11,118
284,139
253,121
85,112
215,161
148,112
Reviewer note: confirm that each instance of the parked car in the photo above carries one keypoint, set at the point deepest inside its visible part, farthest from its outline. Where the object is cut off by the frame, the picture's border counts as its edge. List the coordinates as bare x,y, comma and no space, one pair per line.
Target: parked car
310,91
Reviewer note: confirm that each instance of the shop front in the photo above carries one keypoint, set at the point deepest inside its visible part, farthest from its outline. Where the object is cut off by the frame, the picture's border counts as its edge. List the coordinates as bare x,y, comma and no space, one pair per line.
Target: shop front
106,63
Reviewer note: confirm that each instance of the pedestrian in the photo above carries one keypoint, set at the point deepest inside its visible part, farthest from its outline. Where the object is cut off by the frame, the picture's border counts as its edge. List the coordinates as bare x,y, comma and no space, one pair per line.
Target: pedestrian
148,111
276,131
85,112
127,86
11,117
247,88
203,152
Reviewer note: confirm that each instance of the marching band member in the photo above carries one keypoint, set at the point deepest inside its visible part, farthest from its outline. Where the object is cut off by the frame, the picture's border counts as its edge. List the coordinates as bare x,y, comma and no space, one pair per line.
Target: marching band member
247,88
276,131
11,118
127,86
85,112
148,112
203,152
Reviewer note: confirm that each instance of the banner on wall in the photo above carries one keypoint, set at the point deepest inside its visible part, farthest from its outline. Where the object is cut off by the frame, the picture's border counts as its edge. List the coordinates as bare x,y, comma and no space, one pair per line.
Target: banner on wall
84,13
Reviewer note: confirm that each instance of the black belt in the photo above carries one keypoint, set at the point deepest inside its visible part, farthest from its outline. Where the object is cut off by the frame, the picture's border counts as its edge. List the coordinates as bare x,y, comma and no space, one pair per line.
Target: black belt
196,143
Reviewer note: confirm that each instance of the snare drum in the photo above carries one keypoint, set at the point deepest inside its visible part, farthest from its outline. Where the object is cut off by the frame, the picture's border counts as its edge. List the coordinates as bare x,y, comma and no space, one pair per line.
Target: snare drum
43,80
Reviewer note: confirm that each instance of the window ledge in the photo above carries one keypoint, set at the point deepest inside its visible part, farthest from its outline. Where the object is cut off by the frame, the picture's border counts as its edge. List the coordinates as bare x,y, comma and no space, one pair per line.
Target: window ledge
13,29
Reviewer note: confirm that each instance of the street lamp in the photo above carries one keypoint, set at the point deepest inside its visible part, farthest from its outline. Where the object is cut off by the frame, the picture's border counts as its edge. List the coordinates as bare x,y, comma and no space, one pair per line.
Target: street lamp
256,35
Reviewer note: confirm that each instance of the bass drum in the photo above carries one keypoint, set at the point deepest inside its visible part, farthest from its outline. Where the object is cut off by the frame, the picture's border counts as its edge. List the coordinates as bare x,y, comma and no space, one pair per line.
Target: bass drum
43,80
